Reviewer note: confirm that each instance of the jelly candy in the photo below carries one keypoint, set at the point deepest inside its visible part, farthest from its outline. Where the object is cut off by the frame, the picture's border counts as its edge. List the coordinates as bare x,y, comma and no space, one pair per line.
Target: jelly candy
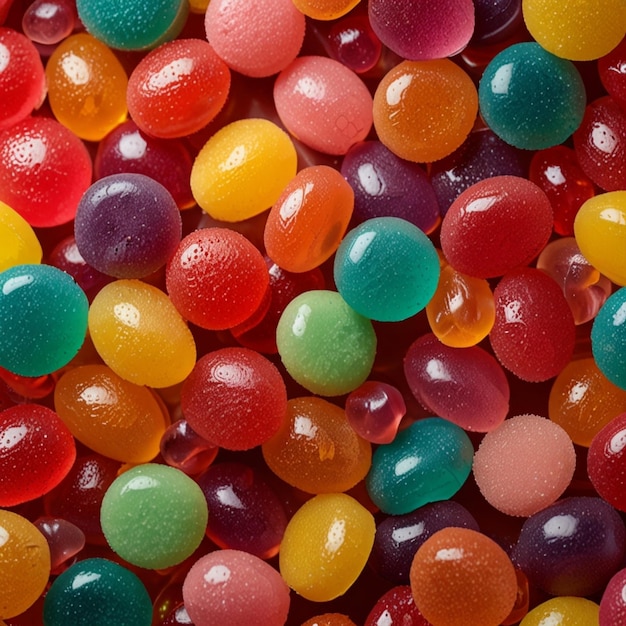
326,546
426,462
608,338
325,345
524,465
235,398
612,72
257,38
154,516
612,604
65,541
181,447
403,253
531,98
329,619
97,592
424,110
353,43
325,9
20,245
495,21
398,606
564,611
49,22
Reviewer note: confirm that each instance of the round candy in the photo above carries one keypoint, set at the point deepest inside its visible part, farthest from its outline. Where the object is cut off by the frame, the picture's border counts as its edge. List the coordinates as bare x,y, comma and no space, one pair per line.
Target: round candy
133,25
18,242
43,319
38,451
524,465
65,541
86,87
581,31
140,335
460,576
235,398
466,386
323,104
396,604
216,278
329,619
424,110
400,251
613,602
316,450
565,611
530,98
612,71
257,38
608,338
426,462
354,44
22,78
242,169
495,21
325,9
129,422
97,592
178,88
44,170
325,345
423,30
49,22
309,219
181,447
24,564
326,546
235,588
154,516
127,225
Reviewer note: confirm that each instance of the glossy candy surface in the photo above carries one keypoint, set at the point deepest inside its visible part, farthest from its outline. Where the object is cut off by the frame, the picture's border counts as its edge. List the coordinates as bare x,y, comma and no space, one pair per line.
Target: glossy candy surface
354,44
20,245
608,336
613,604
49,22
564,611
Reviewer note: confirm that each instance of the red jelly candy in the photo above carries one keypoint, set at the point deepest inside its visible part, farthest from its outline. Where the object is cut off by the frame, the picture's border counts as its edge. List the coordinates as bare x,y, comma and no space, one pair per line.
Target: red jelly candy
612,70
37,452
496,225
534,332
396,607
216,278
235,398
613,602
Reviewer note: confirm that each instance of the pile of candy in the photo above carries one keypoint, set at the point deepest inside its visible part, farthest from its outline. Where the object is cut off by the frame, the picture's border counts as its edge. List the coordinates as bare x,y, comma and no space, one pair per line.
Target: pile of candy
312,312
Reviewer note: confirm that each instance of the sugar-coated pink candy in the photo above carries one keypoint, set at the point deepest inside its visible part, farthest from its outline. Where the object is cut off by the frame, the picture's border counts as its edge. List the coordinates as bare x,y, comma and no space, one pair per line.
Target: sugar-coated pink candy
421,30
235,588
613,602
496,225
323,104
524,465
255,37
466,386
534,332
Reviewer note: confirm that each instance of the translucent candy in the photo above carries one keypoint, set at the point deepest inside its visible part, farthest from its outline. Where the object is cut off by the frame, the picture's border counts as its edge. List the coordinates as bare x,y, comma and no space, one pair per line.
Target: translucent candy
608,338
18,242
258,38
398,606
495,21
564,611
329,619
524,465
354,44
49,21
325,345
140,335
181,447
154,516
530,98
326,546
43,319
466,386
97,591
24,564
427,462
316,450
178,88
460,576
325,9
424,110
65,541
86,87
110,415
612,71
403,253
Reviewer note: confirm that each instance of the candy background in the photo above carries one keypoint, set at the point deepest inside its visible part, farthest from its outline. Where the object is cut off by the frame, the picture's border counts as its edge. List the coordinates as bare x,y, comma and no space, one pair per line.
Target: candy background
312,308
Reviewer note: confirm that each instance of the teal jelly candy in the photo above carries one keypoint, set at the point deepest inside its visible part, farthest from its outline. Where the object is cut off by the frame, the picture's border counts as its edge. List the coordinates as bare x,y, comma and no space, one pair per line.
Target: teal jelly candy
325,345
608,338
386,269
97,592
427,462
133,24
530,98
43,319
154,516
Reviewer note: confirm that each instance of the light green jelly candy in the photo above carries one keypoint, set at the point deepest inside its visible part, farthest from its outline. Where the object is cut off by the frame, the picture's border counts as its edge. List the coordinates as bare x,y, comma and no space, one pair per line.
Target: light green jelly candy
154,516
325,345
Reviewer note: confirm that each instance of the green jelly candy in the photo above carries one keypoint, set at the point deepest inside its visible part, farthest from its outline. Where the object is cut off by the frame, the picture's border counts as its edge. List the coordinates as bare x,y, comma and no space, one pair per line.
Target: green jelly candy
133,24
97,592
325,345
43,319
427,462
608,338
154,516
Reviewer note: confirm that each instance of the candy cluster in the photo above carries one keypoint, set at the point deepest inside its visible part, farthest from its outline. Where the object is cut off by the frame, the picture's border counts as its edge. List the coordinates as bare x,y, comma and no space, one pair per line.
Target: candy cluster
312,312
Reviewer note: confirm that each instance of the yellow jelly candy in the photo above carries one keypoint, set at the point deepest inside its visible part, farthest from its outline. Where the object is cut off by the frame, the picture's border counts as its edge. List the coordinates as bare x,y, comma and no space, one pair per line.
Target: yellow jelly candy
326,546
325,9
18,243
140,335
564,611
242,169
